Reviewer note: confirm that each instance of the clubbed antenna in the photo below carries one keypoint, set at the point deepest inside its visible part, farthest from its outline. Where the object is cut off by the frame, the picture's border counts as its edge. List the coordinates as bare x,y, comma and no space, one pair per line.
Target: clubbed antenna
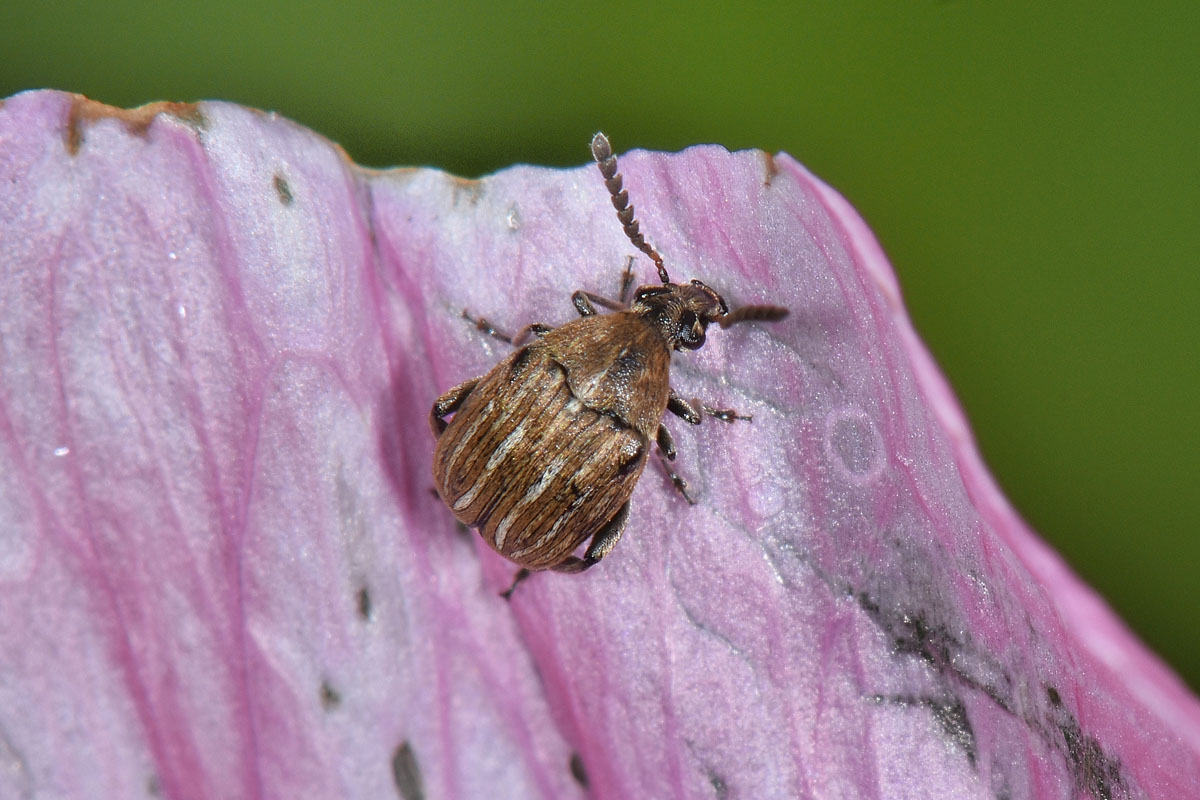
607,162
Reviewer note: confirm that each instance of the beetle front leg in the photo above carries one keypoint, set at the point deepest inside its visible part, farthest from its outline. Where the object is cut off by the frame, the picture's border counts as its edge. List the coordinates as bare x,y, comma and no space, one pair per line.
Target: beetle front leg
688,410
681,408
447,404
725,414
583,300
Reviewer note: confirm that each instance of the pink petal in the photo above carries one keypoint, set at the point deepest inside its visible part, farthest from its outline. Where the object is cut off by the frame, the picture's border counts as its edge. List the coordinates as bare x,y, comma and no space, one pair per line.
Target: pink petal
224,574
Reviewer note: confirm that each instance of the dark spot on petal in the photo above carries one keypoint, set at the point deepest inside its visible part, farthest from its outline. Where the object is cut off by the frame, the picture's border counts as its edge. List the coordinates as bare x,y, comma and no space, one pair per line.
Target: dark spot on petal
950,715
283,190
956,726
406,773
577,770
330,698
364,603
153,787
1094,771
720,788
867,604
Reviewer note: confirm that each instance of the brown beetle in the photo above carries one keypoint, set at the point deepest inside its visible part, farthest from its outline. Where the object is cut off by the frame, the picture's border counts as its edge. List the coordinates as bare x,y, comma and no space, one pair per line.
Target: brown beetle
544,450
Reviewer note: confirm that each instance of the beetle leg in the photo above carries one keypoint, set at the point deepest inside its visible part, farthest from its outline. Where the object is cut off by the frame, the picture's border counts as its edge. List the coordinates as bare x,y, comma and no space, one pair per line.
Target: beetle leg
626,282
536,329
483,325
521,575
602,543
726,414
682,408
448,404
666,445
583,303
676,479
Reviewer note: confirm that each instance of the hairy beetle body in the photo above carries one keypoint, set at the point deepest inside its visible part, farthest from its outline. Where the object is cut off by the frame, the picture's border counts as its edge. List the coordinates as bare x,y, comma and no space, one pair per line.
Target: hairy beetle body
543,451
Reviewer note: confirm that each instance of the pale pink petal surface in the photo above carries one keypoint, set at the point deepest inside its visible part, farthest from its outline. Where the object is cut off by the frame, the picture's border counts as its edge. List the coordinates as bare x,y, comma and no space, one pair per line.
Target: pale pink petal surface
223,572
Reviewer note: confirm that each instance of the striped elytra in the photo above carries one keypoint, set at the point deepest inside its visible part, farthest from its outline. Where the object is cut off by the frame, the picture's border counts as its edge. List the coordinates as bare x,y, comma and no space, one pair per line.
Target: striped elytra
542,453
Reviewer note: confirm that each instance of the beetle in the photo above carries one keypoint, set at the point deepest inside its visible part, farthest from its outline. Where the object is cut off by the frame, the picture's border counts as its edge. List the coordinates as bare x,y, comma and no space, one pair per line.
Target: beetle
544,451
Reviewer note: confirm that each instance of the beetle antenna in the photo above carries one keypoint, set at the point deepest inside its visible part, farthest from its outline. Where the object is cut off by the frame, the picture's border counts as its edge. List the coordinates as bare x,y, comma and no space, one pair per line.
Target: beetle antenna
607,162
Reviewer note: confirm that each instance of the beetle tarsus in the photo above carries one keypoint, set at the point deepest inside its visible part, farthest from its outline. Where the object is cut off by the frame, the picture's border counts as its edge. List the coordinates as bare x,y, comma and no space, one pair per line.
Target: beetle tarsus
521,575
677,480
725,414
481,324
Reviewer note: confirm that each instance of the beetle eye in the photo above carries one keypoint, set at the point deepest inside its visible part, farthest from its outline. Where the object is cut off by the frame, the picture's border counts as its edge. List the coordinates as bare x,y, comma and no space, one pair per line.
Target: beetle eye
691,332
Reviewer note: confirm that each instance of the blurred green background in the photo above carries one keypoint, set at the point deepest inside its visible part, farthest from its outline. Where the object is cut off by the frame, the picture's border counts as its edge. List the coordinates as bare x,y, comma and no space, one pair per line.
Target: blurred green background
1031,168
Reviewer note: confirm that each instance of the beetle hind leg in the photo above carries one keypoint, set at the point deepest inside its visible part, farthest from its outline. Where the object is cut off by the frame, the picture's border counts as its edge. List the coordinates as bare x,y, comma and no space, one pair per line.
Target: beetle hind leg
601,545
521,575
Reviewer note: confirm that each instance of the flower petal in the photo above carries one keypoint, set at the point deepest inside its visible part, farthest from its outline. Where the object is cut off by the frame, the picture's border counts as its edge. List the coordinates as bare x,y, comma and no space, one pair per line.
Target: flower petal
225,574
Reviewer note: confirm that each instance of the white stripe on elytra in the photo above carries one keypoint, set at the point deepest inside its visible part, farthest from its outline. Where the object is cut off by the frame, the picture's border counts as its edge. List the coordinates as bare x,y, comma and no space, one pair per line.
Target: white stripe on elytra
532,495
465,440
600,452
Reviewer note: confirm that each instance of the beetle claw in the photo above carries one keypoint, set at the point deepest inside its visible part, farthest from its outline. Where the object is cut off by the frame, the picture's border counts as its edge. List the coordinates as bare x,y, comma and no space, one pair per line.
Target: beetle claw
521,575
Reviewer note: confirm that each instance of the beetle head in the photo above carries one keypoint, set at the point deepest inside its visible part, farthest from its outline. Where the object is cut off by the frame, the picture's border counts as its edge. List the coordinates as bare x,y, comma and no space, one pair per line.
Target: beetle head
682,311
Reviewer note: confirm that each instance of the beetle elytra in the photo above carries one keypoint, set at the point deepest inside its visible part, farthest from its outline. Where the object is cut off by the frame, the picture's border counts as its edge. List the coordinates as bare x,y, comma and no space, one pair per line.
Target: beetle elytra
543,451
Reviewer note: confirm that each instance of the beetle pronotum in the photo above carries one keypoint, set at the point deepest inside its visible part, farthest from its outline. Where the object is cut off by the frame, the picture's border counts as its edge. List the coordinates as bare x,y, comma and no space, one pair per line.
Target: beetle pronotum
544,450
